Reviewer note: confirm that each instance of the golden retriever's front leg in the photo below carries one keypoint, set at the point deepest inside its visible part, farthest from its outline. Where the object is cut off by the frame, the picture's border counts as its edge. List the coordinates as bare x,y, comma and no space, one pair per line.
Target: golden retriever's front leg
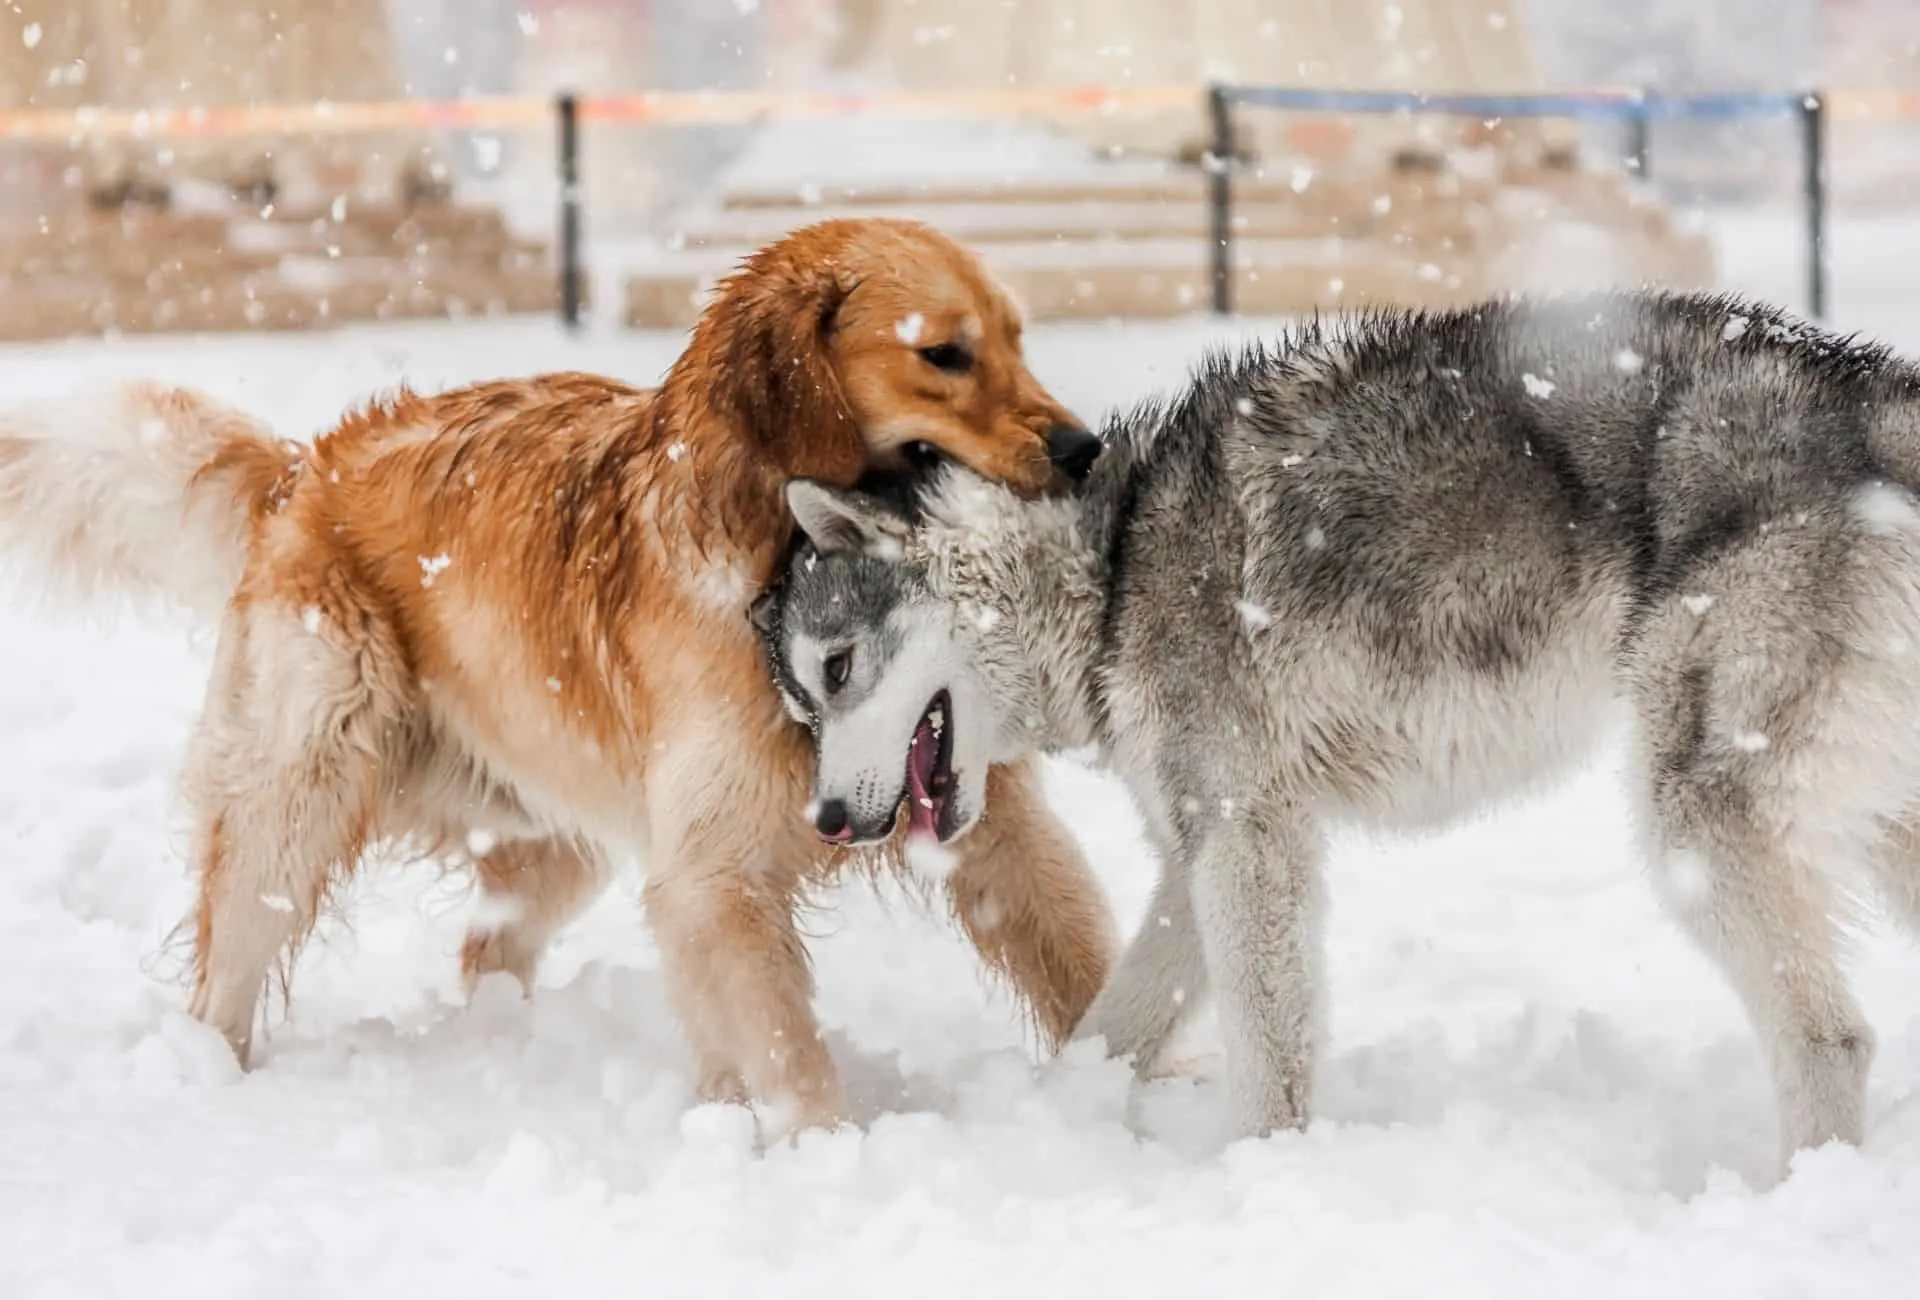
720,896
1027,899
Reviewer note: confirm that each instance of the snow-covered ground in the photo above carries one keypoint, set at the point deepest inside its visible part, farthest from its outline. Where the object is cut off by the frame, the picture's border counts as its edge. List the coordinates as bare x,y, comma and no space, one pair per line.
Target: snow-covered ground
1534,1087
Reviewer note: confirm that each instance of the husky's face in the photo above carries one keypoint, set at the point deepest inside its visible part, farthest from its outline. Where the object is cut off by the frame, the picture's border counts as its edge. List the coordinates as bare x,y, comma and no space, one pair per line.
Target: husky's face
877,667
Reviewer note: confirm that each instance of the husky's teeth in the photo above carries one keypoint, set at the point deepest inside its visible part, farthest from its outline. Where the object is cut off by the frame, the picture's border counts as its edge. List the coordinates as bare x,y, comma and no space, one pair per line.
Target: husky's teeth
938,720
925,802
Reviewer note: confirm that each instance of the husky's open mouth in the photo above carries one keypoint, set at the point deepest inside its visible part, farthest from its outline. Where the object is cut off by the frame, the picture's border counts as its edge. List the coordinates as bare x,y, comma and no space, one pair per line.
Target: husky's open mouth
930,772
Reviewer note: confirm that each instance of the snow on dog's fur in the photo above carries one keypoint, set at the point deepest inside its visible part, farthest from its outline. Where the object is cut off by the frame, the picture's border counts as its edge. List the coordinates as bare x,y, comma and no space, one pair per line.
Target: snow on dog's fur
509,621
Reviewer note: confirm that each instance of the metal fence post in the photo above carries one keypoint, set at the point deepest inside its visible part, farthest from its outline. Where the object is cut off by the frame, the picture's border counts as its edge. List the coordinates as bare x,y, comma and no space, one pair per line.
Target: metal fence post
1220,197
1813,152
1640,142
567,109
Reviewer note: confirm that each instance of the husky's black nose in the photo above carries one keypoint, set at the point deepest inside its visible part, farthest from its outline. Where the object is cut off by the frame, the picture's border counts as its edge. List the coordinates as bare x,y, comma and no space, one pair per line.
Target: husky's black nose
1072,450
830,819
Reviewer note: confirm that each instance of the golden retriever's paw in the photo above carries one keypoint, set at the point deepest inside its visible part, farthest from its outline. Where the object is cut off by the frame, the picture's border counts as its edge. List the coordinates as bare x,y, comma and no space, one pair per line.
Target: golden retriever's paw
486,952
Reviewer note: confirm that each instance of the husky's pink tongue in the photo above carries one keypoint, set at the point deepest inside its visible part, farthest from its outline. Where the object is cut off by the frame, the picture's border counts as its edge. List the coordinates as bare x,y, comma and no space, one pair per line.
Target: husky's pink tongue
921,756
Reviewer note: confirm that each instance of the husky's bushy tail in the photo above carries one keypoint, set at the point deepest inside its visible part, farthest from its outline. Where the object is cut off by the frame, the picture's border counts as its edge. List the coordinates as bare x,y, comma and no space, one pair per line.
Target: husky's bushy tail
142,491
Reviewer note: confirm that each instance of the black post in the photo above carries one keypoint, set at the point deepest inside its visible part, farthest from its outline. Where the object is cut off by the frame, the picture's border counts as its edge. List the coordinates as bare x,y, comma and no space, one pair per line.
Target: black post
1813,151
1220,197
1640,143
567,106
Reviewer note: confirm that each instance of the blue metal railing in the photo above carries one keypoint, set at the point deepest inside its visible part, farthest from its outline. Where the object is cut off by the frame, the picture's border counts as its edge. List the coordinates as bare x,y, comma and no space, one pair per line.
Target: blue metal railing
1636,108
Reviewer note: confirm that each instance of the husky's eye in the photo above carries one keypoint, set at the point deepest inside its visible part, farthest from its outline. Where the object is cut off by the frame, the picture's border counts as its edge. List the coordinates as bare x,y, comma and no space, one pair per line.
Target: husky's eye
950,357
922,455
834,669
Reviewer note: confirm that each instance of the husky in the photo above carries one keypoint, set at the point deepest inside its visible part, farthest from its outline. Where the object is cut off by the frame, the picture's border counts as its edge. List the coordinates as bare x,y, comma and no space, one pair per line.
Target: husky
1385,572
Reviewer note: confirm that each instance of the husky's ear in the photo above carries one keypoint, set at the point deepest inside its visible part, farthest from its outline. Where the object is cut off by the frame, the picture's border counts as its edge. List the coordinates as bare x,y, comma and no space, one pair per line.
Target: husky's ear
835,519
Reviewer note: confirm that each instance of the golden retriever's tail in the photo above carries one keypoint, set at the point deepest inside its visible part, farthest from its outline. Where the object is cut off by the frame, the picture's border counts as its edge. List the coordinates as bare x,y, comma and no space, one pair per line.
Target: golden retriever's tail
144,490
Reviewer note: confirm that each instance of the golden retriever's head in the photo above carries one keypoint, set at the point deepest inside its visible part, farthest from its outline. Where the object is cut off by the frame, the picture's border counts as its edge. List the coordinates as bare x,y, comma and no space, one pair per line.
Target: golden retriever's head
860,344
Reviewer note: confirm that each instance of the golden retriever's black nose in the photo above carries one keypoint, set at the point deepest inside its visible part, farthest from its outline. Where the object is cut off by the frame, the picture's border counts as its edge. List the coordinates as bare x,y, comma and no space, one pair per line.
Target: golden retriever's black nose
1072,450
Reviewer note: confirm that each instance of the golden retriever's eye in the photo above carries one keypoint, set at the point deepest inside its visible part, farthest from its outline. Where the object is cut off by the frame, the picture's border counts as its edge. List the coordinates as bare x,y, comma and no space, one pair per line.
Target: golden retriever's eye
922,455
950,357
836,668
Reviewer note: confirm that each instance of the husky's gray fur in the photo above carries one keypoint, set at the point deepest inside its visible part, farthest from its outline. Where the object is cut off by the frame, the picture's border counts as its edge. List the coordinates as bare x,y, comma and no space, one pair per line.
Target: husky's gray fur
1382,574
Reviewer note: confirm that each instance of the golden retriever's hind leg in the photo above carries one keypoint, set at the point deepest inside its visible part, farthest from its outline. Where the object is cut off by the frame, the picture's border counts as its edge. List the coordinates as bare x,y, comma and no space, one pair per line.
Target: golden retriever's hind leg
282,773
530,890
1029,903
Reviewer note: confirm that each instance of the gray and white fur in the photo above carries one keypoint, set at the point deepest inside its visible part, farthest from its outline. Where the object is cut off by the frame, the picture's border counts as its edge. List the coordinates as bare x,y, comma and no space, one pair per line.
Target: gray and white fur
1384,573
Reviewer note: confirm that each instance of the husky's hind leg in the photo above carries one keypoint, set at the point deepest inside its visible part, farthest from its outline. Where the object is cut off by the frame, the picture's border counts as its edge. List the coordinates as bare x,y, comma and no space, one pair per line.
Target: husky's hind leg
1761,793
1768,919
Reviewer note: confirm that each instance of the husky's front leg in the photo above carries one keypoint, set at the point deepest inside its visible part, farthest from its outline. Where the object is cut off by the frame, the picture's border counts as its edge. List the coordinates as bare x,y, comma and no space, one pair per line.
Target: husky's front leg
1257,901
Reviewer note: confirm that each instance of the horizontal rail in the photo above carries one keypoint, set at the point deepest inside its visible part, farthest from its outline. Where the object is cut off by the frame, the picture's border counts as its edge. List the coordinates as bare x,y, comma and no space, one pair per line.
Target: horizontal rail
67,125
1584,104
77,125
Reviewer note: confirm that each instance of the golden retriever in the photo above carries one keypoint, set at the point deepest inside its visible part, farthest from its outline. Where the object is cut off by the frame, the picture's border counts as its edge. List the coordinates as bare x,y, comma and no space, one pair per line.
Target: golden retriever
508,623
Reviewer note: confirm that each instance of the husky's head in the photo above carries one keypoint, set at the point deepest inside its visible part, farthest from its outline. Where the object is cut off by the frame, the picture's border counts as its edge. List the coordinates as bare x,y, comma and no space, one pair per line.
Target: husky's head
880,668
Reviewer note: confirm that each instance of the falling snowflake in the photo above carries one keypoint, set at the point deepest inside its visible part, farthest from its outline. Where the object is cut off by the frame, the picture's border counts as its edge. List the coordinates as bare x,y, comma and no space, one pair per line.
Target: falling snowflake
278,902
1537,387
431,567
1750,742
1697,605
1735,327
1688,878
480,843
1628,362
1256,618
908,328
310,618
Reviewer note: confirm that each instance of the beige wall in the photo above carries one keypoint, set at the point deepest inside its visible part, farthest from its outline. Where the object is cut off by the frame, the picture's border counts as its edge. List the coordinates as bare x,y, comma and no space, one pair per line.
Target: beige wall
171,53
1362,44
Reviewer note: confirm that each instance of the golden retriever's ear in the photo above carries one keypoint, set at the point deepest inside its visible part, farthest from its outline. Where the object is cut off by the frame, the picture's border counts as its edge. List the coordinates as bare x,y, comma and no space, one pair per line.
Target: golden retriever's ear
773,339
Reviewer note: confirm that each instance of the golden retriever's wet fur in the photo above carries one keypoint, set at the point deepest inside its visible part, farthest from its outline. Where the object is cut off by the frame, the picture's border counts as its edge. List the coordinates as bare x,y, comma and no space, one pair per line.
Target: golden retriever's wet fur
509,621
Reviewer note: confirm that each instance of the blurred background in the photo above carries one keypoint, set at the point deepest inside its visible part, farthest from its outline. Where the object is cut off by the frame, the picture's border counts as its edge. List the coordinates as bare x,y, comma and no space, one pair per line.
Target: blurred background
1090,213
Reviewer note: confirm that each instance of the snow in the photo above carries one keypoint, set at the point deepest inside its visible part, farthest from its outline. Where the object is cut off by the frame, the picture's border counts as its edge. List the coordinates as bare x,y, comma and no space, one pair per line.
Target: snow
1532,1085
